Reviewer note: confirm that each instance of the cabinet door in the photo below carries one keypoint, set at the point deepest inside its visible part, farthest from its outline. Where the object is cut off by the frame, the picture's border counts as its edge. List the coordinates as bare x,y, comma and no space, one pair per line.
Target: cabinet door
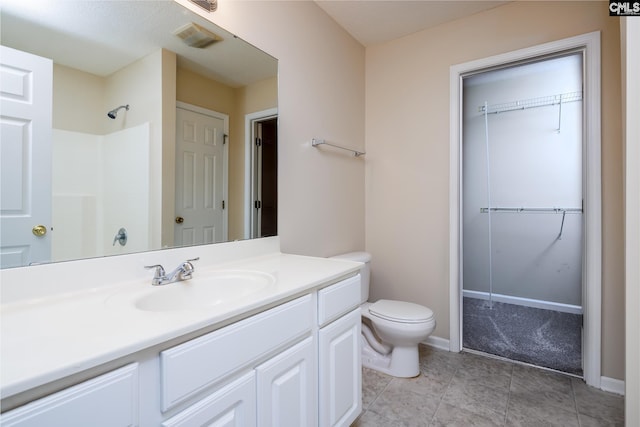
340,373
110,400
234,405
287,388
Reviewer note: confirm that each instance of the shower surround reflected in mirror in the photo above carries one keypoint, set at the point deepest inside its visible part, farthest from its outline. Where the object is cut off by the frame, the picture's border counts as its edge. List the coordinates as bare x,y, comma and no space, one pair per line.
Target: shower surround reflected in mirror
115,167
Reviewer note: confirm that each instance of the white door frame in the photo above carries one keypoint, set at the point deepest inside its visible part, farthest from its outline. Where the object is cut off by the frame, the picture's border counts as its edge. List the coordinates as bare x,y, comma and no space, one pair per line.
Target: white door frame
225,159
249,164
592,257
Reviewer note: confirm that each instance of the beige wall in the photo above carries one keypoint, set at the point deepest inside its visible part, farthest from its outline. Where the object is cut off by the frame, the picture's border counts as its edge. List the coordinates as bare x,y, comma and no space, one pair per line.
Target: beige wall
78,101
407,173
320,95
196,89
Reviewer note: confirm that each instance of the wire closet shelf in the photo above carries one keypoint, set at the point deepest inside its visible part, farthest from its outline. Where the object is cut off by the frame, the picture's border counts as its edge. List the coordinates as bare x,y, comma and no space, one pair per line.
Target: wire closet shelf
524,104
551,210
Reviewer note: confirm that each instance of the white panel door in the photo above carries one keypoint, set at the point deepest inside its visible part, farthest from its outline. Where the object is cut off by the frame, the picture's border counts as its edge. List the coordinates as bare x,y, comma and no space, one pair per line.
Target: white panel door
200,178
26,87
340,372
286,388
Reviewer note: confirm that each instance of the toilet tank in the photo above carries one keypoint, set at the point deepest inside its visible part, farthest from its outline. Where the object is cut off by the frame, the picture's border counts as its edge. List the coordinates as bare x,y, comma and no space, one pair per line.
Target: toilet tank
365,270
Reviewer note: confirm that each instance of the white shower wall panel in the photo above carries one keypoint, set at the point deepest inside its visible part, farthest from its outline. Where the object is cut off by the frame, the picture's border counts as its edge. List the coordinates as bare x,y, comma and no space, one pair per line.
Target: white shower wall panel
126,189
100,184
75,186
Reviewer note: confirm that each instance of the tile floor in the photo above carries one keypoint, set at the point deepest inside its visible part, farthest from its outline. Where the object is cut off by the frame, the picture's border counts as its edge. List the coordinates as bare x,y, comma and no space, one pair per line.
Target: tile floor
464,389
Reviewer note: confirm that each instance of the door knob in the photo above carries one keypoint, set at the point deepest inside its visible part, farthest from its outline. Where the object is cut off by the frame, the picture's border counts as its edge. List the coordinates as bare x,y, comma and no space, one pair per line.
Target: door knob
179,220
39,230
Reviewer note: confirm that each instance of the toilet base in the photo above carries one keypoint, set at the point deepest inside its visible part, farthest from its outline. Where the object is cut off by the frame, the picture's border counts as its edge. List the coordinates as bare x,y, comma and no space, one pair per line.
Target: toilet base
402,362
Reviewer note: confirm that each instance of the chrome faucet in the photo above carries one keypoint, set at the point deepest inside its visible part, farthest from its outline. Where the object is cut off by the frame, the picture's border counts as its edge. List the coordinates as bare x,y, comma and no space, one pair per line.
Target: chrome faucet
182,272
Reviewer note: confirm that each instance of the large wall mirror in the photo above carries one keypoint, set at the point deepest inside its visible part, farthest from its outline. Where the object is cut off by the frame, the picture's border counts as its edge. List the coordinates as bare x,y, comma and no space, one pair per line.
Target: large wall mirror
151,138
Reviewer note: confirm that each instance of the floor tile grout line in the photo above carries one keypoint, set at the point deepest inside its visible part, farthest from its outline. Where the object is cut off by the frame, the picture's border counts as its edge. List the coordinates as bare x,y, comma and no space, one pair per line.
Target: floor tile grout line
506,412
443,394
575,402
377,396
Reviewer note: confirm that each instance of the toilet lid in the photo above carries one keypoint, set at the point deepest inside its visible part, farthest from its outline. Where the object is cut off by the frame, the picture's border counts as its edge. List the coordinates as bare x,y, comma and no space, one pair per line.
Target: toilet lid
400,311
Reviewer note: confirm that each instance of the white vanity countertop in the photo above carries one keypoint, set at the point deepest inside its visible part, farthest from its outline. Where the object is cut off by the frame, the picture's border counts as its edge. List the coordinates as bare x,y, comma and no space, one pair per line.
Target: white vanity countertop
47,339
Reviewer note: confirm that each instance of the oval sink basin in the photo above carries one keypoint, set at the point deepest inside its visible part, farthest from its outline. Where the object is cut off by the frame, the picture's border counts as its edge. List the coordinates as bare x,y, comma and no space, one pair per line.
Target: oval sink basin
206,290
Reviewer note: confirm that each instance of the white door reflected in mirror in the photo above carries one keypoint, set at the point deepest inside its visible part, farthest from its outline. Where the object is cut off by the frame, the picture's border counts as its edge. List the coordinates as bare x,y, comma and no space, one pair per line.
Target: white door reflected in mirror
26,83
201,176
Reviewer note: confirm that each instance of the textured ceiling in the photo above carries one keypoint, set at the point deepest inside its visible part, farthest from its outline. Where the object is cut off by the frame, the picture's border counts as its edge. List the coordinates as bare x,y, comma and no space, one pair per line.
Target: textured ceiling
101,37
378,21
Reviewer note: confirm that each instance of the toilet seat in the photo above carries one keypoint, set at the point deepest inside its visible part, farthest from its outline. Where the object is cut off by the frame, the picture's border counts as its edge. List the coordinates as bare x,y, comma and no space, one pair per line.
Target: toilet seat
401,311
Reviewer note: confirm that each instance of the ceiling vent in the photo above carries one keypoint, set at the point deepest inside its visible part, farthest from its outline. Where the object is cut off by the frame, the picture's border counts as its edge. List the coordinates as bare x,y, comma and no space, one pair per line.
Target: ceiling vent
208,5
196,36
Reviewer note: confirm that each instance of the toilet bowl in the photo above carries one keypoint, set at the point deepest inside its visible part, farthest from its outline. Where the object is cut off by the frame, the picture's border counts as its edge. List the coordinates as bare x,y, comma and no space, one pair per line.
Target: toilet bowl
391,330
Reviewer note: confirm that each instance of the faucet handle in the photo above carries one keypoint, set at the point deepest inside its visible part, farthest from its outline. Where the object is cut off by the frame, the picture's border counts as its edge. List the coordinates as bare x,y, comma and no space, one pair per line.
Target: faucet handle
158,275
188,268
159,270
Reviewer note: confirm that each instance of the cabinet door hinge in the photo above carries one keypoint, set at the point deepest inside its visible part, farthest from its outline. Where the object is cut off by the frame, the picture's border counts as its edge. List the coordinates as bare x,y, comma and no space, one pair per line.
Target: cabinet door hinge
257,204
258,142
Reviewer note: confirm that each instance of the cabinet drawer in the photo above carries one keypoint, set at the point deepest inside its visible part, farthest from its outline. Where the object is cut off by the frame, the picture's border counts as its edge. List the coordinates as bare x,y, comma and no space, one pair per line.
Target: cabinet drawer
338,299
110,400
232,405
199,363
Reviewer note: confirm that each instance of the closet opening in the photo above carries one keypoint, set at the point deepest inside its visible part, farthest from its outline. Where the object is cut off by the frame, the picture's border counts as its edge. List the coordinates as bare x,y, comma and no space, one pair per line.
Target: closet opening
522,216
582,215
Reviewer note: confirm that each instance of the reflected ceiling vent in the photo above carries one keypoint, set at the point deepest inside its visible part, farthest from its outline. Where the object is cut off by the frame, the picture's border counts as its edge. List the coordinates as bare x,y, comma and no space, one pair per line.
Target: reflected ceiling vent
196,36
208,5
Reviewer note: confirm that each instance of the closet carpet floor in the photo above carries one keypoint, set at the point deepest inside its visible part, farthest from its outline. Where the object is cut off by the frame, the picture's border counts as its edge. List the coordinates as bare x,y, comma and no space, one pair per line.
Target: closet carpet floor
546,338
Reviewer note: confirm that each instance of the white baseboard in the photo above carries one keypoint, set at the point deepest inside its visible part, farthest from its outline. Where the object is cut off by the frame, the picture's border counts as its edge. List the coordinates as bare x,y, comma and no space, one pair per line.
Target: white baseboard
528,302
437,342
612,385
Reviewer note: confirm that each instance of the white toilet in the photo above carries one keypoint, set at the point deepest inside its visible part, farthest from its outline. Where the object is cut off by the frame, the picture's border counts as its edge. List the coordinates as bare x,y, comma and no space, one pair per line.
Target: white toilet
398,327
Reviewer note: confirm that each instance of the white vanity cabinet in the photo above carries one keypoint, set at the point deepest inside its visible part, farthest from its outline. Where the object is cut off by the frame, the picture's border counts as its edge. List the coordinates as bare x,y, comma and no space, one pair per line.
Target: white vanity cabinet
294,364
339,360
110,400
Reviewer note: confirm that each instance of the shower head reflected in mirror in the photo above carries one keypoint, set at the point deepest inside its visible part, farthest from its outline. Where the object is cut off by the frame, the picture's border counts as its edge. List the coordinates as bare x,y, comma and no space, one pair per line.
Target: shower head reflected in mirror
113,113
